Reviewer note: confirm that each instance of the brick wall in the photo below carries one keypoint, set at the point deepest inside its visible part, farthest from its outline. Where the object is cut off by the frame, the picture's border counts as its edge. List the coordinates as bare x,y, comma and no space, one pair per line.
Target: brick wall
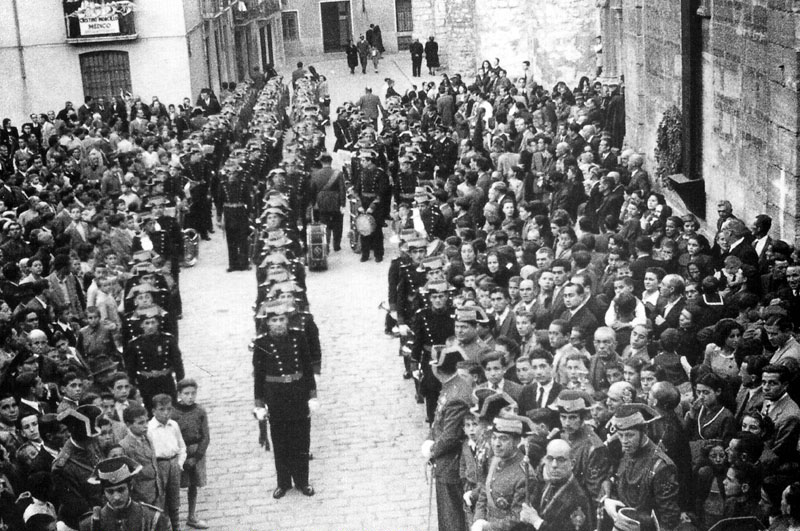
750,104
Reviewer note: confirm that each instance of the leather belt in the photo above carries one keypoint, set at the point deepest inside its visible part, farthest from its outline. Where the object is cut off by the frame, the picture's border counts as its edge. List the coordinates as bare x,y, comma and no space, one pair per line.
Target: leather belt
286,378
234,205
369,195
155,374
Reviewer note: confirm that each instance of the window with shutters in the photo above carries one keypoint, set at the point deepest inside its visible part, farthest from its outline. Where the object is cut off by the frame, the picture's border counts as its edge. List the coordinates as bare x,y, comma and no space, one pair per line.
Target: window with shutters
291,29
405,21
105,73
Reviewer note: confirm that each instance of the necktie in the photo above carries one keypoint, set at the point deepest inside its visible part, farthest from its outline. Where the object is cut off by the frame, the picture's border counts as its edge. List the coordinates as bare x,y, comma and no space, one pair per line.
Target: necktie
767,406
539,396
494,386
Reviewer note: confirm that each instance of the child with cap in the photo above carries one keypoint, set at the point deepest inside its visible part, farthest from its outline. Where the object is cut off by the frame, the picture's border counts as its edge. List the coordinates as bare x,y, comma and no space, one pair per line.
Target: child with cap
192,419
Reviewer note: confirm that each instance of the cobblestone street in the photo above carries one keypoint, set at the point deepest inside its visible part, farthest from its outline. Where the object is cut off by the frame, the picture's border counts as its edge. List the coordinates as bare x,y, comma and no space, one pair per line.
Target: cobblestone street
367,470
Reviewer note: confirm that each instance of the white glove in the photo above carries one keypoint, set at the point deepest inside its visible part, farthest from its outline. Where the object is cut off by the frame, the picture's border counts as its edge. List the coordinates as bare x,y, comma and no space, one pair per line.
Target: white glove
260,413
426,449
404,330
468,498
478,525
313,406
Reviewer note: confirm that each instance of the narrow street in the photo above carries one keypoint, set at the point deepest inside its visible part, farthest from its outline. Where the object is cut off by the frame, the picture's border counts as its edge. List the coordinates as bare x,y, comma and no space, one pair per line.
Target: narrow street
367,470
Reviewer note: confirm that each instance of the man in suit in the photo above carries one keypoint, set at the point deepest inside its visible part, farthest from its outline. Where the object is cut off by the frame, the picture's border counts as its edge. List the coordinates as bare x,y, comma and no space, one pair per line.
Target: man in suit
443,447
781,409
639,178
737,233
505,319
750,395
147,486
761,239
494,367
576,313
544,389
643,261
671,288
501,497
559,502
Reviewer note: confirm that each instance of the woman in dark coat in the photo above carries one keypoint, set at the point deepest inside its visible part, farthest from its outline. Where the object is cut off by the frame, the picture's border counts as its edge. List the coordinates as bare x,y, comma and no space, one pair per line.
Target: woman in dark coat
352,56
432,55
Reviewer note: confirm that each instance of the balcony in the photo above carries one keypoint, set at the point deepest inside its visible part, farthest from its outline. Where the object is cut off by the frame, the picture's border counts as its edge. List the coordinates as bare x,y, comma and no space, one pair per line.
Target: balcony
99,21
246,11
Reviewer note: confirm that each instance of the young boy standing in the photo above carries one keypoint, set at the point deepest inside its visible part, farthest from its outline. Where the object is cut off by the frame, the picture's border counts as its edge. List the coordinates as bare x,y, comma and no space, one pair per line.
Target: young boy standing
146,486
192,419
170,454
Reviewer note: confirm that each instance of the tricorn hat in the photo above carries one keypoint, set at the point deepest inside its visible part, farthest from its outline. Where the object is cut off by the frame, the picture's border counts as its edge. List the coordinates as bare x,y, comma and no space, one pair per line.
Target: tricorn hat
471,314
629,416
114,471
493,405
448,358
81,421
571,401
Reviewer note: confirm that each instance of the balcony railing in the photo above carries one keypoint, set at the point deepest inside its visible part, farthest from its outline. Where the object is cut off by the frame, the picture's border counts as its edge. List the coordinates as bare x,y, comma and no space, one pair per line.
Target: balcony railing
93,21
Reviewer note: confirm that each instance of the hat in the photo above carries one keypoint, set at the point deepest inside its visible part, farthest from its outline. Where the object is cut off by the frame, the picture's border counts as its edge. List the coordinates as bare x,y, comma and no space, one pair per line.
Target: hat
367,154
432,262
509,426
493,405
571,401
447,359
630,416
274,258
408,234
274,210
288,286
142,256
114,471
474,314
439,286
147,313
271,309
435,247
479,396
423,193
417,243
81,422
144,268
277,238
139,289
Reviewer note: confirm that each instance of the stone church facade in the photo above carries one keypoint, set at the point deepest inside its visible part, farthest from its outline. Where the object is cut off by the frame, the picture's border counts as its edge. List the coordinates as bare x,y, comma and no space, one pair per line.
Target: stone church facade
731,68
557,37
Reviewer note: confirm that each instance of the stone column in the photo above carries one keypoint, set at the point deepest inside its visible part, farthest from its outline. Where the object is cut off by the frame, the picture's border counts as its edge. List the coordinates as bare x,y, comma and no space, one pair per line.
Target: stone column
611,30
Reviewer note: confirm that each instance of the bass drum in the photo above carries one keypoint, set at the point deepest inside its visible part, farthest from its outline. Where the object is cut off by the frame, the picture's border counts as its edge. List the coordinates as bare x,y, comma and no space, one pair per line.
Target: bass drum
365,224
191,247
317,244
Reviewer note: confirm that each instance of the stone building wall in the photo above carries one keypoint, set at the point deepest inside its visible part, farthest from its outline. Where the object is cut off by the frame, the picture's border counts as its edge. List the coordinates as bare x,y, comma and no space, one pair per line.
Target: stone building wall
749,99
557,36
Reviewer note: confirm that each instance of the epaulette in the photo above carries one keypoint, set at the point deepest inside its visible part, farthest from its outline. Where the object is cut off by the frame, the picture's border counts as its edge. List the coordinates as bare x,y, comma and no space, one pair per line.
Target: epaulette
259,336
167,334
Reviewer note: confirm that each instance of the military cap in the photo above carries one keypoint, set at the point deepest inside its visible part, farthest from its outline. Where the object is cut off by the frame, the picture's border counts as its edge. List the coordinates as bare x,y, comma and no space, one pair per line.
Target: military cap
114,471
471,314
479,396
367,154
274,258
276,276
288,286
493,404
417,243
571,401
407,235
275,210
629,416
432,262
440,286
271,309
423,194
143,268
509,426
149,313
139,289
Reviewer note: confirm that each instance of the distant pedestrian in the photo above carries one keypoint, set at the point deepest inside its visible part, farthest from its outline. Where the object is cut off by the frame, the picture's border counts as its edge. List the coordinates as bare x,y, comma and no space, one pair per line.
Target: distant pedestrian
297,74
416,50
363,53
352,56
432,55
375,55
377,39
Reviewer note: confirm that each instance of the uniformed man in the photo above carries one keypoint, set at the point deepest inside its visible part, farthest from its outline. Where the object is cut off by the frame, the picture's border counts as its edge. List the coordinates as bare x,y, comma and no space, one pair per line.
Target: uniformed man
431,326
300,319
372,186
591,464
500,500
443,447
285,389
557,501
71,469
235,200
396,270
406,182
153,359
465,335
432,218
646,477
120,512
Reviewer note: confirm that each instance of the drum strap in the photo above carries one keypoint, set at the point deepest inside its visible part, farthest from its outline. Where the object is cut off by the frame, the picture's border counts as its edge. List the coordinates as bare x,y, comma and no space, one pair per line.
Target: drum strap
330,182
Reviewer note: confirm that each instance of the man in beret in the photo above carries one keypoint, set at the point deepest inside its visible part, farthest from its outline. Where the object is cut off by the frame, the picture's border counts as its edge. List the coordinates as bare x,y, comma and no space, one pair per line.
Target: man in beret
443,447
114,477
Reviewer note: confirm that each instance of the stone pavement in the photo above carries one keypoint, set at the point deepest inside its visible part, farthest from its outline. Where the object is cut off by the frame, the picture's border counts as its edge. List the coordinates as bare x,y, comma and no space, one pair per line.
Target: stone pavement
365,438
